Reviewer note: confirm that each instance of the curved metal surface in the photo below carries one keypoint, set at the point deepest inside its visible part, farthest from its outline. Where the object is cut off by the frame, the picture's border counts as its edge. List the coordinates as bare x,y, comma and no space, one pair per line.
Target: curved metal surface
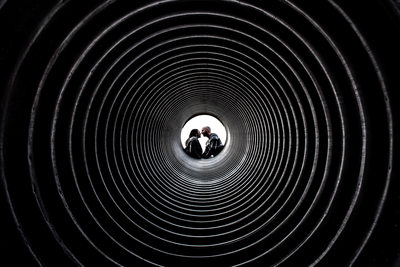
95,96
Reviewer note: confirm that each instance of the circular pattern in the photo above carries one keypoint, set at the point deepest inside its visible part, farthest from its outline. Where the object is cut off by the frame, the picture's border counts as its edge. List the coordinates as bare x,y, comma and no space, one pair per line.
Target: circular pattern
94,132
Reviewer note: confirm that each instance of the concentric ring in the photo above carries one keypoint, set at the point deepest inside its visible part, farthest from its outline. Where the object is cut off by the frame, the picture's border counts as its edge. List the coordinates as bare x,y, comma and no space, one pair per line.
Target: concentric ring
93,168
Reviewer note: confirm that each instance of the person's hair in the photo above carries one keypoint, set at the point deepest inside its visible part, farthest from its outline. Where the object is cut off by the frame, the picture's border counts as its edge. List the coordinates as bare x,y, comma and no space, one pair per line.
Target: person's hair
207,128
193,133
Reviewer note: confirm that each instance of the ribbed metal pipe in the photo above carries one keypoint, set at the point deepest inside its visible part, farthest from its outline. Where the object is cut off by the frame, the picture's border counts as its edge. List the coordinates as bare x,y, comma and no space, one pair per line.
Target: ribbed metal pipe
96,97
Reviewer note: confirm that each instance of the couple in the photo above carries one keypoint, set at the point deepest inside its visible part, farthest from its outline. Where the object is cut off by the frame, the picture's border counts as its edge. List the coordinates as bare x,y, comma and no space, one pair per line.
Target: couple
213,145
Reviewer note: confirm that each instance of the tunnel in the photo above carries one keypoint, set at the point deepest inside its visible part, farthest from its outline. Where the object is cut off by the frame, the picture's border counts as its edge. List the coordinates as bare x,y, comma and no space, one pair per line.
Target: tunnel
94,95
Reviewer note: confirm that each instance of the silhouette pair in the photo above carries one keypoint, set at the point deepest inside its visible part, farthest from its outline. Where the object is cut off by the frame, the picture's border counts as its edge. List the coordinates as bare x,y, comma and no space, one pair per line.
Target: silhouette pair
213,144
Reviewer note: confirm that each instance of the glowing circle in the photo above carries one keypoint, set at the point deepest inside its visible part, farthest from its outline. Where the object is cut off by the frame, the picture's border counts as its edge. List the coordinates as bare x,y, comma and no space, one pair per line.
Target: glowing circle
199,122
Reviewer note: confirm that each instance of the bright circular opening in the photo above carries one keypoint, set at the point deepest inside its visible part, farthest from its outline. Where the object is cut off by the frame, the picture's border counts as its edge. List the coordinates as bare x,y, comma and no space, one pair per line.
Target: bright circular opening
200,121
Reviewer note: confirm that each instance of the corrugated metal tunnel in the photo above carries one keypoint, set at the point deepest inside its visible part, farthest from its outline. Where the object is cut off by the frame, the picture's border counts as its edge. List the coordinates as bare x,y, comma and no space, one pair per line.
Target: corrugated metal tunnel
94,97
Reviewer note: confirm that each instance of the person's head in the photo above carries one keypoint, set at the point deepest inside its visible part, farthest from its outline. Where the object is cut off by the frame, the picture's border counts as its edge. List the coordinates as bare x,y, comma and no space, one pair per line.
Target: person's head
194,132
206,131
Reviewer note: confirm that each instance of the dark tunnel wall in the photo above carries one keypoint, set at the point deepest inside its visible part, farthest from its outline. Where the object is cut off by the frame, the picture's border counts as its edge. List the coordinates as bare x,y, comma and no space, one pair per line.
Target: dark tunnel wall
94,96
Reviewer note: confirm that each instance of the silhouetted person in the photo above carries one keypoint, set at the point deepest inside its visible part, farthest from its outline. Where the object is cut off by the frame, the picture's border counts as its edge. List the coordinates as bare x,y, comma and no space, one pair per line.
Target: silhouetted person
193,147
213,145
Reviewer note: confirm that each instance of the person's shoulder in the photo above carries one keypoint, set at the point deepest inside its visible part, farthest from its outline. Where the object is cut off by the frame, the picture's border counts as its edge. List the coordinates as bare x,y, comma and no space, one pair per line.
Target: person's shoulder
213,136
193,138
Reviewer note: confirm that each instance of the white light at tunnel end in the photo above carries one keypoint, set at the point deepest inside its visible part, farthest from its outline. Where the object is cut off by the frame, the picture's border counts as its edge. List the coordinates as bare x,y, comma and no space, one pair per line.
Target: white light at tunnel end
198,122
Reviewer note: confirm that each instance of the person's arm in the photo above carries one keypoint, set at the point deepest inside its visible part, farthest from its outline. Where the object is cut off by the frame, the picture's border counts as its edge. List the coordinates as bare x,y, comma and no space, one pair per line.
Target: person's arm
213,143
212,148
196,149
207,151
